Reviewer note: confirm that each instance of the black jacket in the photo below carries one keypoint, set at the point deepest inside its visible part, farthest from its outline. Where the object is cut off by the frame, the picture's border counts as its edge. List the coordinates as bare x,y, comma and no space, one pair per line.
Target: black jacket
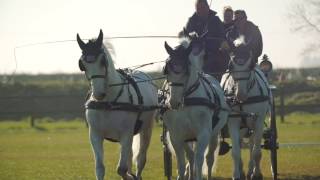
253,38
214,26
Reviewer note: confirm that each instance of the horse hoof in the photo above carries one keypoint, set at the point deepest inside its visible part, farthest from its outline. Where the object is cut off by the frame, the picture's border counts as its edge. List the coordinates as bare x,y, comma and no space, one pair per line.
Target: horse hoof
248,177
256,177
134,177
242,176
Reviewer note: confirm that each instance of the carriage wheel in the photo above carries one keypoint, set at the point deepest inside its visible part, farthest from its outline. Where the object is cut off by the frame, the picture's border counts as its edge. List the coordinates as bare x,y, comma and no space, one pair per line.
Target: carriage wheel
273,142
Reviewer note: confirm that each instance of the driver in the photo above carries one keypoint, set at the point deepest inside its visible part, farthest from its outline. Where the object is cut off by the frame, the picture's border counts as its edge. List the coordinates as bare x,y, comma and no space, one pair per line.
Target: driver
204,20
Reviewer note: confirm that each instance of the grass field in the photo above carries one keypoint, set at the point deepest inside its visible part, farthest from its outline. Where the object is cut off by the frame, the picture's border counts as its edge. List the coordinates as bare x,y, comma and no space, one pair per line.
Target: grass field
61,150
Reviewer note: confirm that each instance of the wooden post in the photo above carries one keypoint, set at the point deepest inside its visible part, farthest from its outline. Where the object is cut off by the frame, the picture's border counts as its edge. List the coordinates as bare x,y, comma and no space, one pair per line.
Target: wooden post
282,110
31,122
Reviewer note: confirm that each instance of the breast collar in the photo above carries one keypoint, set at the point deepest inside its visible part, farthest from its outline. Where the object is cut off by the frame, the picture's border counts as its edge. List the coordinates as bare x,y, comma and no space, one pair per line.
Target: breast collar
212,100
115,105
251,99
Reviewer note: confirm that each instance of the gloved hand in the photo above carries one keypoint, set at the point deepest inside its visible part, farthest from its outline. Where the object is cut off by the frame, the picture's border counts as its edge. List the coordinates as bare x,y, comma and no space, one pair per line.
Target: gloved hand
193,35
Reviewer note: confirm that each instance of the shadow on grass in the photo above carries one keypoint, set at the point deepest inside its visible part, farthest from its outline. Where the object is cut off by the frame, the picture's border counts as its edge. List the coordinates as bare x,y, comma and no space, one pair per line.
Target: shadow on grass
38,128
298,177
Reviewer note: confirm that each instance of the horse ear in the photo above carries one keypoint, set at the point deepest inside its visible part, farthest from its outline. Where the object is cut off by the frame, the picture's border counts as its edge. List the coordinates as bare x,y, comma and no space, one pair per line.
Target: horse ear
169,50
81,44
100,39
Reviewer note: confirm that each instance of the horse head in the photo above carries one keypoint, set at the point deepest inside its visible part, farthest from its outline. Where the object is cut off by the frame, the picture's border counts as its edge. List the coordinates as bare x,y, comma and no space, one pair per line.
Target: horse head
184,61
241,68
94,63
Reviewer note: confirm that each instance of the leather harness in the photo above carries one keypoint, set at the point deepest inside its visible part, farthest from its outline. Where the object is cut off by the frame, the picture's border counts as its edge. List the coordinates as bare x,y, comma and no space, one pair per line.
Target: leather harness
123,106
212,101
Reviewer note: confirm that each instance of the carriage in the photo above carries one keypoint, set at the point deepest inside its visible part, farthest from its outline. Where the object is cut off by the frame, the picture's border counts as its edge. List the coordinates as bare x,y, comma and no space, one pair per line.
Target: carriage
270,142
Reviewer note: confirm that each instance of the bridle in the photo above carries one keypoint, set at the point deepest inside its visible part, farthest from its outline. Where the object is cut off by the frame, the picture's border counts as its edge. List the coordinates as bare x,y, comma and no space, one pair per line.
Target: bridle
93,59
250,80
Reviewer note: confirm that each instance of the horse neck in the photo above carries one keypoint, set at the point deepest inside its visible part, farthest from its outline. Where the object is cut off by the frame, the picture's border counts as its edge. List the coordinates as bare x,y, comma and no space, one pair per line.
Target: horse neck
113,77
194,69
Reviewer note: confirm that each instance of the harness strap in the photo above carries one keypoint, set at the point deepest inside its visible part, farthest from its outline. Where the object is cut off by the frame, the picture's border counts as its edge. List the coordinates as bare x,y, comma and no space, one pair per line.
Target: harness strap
176,84
192,88
118,106
196,101
133,83
250,100
119,94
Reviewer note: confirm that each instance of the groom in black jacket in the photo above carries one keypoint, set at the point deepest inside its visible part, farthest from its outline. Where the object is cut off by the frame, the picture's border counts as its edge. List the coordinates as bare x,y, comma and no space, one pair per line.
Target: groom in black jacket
205,20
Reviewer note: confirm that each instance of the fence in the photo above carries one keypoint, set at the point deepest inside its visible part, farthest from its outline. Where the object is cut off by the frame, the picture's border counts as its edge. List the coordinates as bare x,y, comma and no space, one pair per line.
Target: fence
70,106
55,106
283,109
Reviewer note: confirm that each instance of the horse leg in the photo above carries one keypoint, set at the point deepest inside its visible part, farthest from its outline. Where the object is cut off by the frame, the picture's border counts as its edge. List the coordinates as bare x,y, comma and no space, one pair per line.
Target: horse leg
201,145
234,130
125,151
256,150
178,148
188,147
144,141
97,146
251,162
130,162
210,156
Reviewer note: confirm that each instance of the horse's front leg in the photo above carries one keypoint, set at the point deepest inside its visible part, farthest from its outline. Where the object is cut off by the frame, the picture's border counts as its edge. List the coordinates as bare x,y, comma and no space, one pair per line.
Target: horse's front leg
210,156
125,154
256,150
251,162
201,145
97,146
178,146
234,130
188,147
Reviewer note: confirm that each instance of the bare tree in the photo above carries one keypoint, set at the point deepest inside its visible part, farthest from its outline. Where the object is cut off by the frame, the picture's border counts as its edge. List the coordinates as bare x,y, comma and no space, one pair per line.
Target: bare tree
305,19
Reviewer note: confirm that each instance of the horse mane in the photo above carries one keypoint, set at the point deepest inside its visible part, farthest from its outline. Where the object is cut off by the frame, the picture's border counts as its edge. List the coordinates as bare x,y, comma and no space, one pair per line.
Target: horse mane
185,42
109,50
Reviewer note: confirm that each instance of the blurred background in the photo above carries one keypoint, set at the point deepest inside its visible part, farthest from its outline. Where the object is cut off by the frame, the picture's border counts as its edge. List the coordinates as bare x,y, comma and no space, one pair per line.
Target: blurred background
42,90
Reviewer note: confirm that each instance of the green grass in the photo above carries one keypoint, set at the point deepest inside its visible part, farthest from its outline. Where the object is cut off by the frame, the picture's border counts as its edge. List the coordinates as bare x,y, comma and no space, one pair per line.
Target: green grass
61,150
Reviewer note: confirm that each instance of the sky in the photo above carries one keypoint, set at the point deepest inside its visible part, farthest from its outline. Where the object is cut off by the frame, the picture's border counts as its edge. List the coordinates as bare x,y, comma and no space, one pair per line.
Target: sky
27,22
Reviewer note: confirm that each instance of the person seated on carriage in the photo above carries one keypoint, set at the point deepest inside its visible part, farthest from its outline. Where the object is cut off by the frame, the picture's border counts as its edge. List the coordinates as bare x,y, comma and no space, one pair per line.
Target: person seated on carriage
227,18
251,34
204,20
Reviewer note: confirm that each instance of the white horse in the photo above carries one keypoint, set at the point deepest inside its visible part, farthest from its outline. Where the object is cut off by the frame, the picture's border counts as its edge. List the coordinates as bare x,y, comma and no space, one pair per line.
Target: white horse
117,107
247,88
198,109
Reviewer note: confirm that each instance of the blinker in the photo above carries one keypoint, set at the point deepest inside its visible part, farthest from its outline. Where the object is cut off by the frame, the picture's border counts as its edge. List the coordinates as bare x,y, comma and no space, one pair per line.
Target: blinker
81,66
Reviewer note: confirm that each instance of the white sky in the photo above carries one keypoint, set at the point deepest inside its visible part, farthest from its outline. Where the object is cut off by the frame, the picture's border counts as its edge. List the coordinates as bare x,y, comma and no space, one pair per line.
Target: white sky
32,21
